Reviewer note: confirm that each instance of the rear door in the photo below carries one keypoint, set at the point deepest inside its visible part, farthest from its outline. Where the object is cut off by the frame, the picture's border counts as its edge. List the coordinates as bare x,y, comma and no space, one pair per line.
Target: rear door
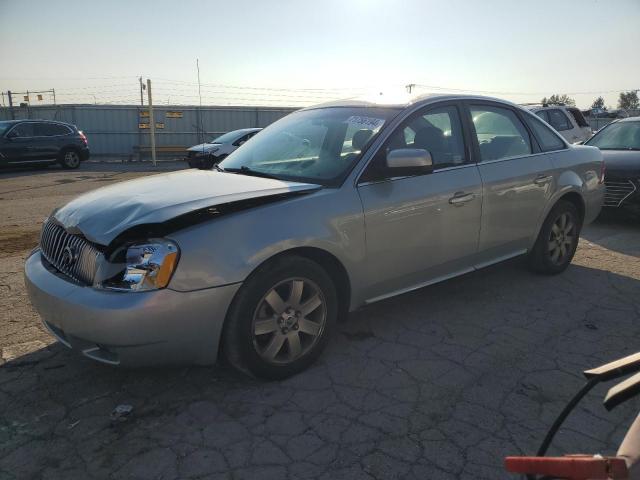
517,180
422,227
48,139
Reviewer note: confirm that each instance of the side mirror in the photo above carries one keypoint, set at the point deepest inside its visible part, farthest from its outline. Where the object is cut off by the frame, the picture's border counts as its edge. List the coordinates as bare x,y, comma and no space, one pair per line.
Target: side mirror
11,135
410,158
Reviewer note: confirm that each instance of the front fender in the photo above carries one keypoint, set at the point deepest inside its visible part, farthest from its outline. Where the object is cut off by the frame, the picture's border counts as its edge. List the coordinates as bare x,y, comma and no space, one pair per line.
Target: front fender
227,249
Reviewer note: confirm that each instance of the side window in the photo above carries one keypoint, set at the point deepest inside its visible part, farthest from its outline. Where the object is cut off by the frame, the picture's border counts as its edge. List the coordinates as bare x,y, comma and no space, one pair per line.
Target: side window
547,139
437,130
543,115
500,133
49,129
23,130
558,120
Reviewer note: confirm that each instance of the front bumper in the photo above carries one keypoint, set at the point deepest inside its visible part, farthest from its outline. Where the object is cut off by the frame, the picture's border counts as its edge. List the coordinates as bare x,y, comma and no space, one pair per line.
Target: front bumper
85,153
162,327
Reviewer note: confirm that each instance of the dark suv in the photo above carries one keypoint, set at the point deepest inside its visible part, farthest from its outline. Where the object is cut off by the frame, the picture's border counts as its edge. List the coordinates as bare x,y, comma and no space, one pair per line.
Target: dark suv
24,142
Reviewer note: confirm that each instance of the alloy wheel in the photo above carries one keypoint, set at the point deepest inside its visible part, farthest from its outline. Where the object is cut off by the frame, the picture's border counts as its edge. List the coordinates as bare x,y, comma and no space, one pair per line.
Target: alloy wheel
289,320
561,239
71,159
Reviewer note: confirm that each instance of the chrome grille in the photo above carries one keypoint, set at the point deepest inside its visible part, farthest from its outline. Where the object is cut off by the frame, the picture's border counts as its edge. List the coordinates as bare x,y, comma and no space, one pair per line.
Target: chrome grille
70,254
616,191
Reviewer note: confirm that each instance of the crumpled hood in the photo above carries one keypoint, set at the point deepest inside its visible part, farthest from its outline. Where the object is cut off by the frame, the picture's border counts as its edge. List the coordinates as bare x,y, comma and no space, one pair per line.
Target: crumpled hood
101,215
204,147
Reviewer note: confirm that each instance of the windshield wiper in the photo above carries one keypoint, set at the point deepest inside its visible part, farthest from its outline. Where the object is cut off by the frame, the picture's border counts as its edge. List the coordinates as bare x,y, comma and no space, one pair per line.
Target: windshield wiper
244,170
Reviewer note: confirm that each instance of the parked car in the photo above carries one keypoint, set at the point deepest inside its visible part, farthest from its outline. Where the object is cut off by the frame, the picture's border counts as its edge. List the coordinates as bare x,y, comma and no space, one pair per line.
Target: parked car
568,121
620,145
602,113
258,258
206,155
27,142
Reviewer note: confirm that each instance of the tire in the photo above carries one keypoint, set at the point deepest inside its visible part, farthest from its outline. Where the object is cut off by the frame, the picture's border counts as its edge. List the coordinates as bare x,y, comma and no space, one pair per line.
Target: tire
557,241
69,159
261,327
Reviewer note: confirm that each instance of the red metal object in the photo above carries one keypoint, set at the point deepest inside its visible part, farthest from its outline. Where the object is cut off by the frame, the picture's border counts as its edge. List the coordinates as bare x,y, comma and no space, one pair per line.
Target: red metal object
572,467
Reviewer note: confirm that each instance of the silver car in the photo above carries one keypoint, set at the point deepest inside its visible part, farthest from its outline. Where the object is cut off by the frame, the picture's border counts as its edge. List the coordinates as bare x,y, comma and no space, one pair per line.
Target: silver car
328,209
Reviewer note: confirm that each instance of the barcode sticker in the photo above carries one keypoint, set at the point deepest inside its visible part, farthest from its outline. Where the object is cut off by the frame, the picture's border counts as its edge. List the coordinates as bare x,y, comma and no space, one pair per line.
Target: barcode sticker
369,123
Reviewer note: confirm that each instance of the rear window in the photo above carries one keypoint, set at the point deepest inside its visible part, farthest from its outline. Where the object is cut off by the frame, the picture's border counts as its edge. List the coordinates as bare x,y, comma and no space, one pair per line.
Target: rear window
547,139
578,117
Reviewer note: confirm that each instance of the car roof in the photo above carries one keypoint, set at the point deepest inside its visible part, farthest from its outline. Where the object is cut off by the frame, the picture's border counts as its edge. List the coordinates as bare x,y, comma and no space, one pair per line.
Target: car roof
22,120
403,101
537,108
247,130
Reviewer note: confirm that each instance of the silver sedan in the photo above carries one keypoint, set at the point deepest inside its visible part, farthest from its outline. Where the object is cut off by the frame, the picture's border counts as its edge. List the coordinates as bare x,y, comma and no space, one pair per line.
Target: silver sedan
328,209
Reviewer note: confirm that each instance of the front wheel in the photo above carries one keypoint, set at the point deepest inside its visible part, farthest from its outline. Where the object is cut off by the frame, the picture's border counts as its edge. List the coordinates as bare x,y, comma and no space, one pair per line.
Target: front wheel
557,241
281,319
70,159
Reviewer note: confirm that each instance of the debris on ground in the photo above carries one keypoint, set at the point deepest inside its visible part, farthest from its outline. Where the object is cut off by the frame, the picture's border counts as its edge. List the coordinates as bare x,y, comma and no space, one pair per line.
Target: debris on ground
121,413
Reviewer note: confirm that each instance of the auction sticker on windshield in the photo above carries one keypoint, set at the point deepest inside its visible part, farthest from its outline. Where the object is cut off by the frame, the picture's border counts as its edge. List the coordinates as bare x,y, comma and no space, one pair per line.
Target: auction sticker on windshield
370,123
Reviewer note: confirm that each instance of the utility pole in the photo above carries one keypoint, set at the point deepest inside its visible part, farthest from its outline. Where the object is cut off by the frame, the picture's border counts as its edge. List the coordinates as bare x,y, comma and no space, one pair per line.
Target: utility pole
53,90
200,132
141,94
13,114
152,123
410,87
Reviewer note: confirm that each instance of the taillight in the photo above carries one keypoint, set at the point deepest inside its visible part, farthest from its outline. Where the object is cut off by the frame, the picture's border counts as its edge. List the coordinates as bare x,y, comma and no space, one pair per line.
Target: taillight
603,170
83,137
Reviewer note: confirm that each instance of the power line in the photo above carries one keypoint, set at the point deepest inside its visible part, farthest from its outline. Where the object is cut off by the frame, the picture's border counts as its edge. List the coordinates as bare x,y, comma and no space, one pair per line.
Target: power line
493,92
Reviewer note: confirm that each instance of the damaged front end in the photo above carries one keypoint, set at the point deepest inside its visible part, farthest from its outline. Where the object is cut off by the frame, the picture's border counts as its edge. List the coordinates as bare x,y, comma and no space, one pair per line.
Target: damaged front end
140,258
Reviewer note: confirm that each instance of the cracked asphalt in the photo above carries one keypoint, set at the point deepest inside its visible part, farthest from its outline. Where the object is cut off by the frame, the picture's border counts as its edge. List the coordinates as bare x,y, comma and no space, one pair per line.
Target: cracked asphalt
440,383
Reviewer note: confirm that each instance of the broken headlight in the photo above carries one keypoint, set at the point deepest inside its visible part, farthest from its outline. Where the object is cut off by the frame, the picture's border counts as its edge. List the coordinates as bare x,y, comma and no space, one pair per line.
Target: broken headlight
147,266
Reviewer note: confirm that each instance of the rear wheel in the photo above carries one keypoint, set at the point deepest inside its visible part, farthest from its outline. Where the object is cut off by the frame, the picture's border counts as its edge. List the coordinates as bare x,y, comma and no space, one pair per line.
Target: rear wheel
557,241
281,319
70,159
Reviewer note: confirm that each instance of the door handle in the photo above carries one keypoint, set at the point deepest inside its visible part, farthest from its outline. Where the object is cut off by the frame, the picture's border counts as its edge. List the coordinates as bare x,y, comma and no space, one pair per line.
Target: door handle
460,198
542,179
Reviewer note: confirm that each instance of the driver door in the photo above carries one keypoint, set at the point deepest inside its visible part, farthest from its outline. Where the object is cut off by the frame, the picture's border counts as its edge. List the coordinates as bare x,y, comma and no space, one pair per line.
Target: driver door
17,146
422,228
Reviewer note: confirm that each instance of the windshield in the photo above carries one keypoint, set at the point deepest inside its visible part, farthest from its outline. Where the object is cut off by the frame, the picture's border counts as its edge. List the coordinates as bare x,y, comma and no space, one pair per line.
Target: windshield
318,146
4,126
229,137
618,136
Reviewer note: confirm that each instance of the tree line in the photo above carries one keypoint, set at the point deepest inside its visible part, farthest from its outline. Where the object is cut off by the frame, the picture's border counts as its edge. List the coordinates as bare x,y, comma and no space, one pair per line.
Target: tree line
626,101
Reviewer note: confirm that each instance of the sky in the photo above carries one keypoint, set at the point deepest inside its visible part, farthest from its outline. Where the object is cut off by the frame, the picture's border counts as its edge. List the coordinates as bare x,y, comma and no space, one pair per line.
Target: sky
303,52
